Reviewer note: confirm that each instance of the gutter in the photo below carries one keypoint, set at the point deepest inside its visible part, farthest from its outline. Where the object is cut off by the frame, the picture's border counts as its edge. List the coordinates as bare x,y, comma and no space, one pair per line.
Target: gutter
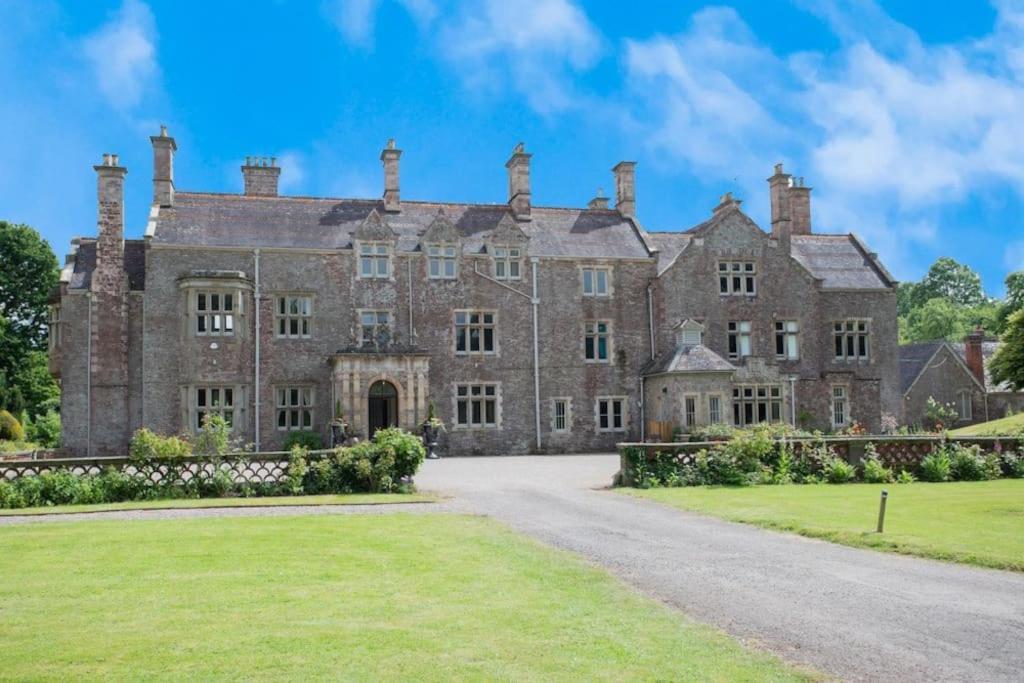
256,370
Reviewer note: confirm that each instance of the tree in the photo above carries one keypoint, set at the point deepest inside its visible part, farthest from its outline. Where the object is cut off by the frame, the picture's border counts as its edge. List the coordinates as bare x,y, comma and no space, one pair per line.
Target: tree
28,272
1007,364
950,280
937,319
1015,291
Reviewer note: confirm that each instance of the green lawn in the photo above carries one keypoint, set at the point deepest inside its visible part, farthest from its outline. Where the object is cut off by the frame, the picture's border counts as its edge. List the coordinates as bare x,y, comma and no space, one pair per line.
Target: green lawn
978,523
1006,426
275,501
389,597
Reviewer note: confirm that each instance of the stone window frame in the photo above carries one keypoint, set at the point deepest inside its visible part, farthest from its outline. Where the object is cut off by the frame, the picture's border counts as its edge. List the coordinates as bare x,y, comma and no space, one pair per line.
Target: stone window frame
773,398
790,339
200,397
965,405
734,328
53,330
737,277
442,258
566,415
303,406
210,315
376,257
502,255
593,270
361,340
839,401
232,283
609,334
721,408
610,400
489,392
481,326
687,420
860,337
288,317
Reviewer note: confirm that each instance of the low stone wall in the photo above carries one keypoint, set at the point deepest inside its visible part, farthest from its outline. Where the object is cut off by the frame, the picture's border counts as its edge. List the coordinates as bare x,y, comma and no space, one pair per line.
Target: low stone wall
897,452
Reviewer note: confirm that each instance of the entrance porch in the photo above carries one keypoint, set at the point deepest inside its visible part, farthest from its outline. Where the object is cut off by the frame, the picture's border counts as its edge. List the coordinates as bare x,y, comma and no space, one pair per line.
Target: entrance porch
381,389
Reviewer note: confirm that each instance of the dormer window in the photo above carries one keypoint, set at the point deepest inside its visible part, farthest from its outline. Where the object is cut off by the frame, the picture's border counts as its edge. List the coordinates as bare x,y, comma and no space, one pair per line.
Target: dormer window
441,261
690,333
374,260
507,261
737,278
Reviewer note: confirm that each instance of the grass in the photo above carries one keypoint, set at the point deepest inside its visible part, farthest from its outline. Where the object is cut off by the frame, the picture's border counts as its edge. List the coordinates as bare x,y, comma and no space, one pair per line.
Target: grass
1006,426
274,501
381,597
7,446
979,523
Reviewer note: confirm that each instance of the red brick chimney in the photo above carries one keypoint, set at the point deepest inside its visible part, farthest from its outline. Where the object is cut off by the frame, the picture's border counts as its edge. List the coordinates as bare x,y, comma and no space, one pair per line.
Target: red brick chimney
975,357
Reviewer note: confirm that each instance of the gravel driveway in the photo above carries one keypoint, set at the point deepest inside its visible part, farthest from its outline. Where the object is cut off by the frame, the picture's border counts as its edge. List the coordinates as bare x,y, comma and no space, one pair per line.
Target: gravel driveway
855,614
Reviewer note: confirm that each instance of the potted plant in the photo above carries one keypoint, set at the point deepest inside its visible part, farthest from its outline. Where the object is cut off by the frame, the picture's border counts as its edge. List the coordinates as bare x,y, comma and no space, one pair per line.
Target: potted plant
339,426
432,428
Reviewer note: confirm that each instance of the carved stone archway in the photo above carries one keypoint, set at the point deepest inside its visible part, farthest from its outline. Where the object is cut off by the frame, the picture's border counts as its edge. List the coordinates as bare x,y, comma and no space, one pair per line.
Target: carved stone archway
354,372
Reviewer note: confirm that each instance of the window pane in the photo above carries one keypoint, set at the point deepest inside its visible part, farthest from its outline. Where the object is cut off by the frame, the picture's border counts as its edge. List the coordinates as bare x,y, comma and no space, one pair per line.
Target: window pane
489,413
462,413
513,270
602,348
602,282
588,282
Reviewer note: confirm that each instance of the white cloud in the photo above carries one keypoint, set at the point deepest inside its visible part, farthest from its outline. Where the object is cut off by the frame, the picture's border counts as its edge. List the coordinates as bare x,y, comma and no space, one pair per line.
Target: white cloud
354,19
122,54
293,171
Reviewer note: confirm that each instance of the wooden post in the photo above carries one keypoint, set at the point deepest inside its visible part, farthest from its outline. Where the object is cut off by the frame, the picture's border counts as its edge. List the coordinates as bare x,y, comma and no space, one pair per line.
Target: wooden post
881,510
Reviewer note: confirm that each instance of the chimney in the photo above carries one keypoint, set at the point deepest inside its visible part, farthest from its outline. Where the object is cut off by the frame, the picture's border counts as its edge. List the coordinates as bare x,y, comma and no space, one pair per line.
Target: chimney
599,202
727,201
389,157
260,175
163,167
625,188
778,190
974,356
800,207
518,167
110,215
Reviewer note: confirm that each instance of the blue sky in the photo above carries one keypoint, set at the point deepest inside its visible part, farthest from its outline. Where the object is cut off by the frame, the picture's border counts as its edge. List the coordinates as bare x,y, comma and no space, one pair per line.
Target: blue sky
906,122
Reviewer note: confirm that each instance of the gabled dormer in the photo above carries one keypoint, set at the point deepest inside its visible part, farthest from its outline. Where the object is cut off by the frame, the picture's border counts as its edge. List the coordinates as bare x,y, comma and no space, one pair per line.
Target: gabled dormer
442,245
507,246
374,244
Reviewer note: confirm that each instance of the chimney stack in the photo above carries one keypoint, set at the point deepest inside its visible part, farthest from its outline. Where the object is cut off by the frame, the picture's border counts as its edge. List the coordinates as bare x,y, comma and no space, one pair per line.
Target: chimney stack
975,358
800,207
164,148
599,202
389,157
110,215
625,188
778,190
260,175
727,201
518,167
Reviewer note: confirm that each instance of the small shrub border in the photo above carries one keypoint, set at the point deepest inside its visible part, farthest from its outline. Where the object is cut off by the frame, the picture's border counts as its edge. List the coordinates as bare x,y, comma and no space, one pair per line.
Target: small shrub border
385,464
754,457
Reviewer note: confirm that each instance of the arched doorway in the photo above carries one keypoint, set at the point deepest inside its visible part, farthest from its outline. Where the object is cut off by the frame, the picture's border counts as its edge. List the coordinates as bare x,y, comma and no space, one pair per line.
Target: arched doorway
383,404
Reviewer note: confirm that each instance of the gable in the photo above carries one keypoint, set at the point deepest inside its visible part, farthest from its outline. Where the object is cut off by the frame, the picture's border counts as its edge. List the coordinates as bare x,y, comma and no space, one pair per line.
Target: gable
374,228
942,361
441,230
507,232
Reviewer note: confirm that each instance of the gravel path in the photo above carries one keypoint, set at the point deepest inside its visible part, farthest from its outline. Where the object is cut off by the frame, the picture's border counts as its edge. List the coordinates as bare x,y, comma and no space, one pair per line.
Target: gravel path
855,614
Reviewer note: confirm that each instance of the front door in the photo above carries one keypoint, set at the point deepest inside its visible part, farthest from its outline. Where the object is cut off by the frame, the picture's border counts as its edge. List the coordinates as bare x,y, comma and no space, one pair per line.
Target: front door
383,405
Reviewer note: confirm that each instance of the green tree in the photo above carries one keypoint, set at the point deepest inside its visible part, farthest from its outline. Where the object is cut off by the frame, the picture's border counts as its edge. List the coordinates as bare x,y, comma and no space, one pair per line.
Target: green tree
1015,291
1008,362
28,273
950,280
937,319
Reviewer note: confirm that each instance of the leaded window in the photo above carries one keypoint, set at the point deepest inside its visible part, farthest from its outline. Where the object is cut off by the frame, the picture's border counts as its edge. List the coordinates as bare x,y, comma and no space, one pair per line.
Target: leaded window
374,327
787,342
294,316
213,400
753,404
851,339
610,414
597,341
476,405
737,278
374,260
840,412
475,332
739,339
441,261
214,312
295,408
507,263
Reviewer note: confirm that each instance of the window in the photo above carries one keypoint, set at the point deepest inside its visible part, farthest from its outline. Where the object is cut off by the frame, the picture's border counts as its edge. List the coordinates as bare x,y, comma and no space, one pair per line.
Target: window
294,314
714,409
441,261
476,405
609,414
737,278
851,339
374,260
739,340
597,281
374,327
474,332
53,334
787,344
506,263
690,411
561,419
213,401
753,404
840,414
294,408
964,409
597,341
214,313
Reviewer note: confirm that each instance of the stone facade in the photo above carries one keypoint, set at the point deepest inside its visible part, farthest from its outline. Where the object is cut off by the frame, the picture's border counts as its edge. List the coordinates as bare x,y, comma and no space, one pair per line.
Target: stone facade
530,329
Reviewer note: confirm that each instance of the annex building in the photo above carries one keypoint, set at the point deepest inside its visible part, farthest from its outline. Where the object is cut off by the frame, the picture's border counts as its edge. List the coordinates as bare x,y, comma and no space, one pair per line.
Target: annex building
530,329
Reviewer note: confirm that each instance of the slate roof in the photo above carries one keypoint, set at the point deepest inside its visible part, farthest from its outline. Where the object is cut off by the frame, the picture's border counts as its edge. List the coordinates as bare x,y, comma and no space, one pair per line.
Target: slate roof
913,358
839,262
201,219
84,262
687,358
988,349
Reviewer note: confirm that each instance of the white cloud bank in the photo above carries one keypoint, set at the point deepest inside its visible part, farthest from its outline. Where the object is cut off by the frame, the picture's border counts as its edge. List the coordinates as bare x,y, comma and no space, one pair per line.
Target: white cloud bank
122,54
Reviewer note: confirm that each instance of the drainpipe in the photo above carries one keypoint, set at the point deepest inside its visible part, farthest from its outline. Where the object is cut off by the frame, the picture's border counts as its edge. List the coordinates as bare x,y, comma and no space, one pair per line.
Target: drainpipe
536,353
256,370
88,376
792,400
643,412
650,318
408,263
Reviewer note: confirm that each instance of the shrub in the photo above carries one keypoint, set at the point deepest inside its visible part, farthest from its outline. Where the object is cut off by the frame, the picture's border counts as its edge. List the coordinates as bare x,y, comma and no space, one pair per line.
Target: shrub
935,466
809,462
714,432
968,463
838,471
905,477
10,428
44,430
875,472
292,485
1013,464
319,478
148,445
408,450
782,472
214,437
938,416
311,441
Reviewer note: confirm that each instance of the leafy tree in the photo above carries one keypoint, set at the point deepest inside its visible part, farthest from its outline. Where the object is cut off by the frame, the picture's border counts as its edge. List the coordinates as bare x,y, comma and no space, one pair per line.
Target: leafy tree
949,280
28,272
1015,291
937,319
905,298
1007,364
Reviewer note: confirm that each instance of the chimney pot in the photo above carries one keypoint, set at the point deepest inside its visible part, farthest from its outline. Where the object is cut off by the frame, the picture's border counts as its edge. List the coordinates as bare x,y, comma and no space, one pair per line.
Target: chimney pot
625,188
392,193
518,167
599,201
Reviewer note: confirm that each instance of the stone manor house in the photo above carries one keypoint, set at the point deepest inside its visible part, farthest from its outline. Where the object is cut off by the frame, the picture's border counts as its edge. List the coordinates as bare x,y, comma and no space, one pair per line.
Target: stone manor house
531,329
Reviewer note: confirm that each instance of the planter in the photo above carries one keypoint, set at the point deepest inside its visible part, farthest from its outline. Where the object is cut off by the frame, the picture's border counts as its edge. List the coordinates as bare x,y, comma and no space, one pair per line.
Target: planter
430,434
